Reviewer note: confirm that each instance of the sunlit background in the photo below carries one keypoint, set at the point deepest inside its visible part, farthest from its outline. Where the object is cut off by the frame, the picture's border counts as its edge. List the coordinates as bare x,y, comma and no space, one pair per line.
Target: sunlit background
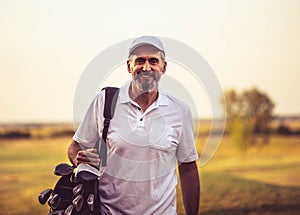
46,45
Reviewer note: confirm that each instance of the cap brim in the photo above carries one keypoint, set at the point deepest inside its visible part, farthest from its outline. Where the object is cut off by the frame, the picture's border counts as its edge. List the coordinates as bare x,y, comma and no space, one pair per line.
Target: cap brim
144,44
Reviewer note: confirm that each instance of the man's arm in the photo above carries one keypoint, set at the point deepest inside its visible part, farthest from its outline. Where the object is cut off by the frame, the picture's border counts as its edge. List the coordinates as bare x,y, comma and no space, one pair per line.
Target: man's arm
78,154
190,187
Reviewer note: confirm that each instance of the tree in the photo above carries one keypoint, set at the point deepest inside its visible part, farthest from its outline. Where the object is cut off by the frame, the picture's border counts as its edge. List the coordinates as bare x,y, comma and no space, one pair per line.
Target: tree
248,116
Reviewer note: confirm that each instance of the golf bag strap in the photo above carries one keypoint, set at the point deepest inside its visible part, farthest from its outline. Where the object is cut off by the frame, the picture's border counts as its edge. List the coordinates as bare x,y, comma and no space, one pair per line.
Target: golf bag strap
111,97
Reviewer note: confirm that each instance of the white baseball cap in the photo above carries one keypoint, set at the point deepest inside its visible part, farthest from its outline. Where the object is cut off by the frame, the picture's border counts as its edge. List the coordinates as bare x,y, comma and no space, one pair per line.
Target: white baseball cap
146,40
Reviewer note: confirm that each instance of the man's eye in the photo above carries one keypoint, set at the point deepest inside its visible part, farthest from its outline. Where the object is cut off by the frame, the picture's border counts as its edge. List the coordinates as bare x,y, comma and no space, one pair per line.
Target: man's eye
140,60
153,61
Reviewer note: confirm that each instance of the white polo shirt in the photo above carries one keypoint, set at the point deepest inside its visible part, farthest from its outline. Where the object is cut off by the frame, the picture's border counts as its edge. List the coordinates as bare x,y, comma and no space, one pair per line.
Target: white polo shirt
143,147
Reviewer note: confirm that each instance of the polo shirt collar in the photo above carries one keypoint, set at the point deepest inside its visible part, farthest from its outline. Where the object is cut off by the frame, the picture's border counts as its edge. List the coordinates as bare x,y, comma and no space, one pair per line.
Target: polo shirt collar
124,95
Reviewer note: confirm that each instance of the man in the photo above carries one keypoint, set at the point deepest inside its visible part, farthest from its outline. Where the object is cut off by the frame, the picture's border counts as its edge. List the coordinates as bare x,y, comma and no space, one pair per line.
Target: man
150,130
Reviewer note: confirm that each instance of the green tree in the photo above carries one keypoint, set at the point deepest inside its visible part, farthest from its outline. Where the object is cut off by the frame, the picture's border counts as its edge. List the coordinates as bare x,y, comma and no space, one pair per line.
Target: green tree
249,114
241,134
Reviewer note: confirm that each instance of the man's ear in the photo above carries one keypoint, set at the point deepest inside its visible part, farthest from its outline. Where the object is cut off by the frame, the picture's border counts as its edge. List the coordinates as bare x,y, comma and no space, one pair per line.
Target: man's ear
164,67
128,66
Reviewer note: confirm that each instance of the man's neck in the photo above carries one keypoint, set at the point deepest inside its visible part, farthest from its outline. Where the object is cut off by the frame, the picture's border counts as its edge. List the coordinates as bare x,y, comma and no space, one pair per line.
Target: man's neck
143,99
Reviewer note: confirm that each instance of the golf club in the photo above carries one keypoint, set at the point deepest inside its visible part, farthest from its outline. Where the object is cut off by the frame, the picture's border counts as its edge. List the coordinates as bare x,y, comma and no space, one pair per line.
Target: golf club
60,212
78,202
90,201
54,202
44,196
78,189
69,210
63,169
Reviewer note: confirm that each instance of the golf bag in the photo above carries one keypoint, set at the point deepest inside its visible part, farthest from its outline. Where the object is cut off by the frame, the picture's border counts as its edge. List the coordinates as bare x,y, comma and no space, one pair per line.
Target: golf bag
74,193
77,192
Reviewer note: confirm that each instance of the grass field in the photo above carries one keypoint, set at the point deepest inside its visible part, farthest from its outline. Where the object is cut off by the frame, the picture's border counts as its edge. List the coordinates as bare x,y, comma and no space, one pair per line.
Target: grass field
264,181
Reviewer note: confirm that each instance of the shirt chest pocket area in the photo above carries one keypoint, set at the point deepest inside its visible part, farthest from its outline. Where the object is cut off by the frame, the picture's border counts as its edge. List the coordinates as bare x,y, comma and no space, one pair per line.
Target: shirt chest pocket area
163,138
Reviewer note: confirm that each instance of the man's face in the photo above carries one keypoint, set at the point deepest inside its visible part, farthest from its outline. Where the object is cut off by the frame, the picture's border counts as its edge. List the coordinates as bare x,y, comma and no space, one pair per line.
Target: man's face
146,66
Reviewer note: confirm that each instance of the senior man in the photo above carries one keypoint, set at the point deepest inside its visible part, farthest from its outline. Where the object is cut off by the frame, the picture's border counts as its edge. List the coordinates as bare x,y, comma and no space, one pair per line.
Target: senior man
150,131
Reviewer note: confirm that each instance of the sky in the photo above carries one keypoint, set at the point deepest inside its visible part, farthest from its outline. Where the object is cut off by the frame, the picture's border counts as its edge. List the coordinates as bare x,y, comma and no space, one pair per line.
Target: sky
45,45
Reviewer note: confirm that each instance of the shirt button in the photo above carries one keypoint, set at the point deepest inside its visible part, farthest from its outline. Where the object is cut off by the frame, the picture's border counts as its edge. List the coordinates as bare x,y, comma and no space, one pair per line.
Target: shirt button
139,108
141,119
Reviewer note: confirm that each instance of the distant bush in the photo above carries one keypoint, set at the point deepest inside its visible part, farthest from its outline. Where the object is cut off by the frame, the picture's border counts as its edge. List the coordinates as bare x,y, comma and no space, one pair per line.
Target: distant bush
36,130
283,130
63,133
15,134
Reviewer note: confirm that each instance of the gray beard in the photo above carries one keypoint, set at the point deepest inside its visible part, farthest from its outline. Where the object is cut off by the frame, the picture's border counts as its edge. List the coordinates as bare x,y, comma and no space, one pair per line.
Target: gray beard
145,85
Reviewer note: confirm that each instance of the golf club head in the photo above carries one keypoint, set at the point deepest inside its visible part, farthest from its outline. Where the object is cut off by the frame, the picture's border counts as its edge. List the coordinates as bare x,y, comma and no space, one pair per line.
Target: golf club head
44,196
69,210
63,169
90,201
54,202
78,189
78,202
60,212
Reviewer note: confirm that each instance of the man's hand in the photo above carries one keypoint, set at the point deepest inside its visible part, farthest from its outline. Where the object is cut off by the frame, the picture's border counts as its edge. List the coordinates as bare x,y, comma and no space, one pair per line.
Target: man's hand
88,156
78,155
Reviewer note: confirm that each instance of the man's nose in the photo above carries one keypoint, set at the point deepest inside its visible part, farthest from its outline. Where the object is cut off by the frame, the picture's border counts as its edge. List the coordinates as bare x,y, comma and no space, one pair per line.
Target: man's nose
147,66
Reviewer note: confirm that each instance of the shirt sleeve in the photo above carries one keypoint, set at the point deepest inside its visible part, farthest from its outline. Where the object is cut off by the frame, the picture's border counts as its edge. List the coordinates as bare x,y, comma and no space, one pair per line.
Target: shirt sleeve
186,151
90,128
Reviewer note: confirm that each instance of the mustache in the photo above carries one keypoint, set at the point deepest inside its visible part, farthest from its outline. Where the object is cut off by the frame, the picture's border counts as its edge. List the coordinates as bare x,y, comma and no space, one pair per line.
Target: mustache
147,73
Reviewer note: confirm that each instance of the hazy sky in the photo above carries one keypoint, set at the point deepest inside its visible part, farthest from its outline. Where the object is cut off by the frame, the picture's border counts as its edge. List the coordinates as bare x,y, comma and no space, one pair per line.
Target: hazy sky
45,45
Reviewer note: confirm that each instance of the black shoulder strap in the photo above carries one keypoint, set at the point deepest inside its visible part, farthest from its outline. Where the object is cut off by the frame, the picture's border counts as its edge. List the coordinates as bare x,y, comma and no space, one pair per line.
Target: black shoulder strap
111,97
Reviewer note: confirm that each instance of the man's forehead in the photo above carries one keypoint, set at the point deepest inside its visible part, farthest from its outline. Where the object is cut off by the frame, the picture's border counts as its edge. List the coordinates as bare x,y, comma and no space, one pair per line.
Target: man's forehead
146,50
